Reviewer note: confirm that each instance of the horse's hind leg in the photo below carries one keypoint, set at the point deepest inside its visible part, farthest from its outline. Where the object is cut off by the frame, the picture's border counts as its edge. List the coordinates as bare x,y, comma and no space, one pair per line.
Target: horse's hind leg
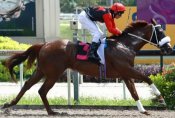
48,84
131,87
37,75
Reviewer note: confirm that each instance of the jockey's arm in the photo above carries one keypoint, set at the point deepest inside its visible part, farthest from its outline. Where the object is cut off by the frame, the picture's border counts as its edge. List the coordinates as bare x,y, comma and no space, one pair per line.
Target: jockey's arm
109,22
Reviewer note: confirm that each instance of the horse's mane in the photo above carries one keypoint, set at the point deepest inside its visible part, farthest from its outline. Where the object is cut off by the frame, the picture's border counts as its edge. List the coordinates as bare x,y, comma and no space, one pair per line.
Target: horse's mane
135,25
130,28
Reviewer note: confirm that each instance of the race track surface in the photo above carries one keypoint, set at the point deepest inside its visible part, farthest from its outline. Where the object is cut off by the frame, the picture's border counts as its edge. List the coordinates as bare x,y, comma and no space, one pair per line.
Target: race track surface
84,113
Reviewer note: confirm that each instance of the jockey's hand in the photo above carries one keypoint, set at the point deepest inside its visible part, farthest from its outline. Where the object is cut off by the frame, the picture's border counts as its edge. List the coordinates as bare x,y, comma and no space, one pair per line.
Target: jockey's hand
119,33
111,37
124,33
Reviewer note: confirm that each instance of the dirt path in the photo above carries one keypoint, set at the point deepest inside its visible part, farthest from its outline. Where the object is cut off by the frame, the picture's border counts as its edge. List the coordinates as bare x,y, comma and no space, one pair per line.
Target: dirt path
84,113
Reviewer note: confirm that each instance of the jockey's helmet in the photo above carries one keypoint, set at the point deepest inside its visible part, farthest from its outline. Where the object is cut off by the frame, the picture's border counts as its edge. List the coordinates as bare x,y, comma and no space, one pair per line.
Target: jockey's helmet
118,7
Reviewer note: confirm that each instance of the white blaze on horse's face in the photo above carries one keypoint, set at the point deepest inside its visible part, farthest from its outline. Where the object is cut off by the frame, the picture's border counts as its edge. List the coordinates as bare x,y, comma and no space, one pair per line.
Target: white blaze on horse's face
164,41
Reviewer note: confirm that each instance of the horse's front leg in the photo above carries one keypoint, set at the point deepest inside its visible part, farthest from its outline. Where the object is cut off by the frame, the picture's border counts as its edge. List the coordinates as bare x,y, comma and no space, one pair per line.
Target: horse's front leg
159,97
132,73
131,87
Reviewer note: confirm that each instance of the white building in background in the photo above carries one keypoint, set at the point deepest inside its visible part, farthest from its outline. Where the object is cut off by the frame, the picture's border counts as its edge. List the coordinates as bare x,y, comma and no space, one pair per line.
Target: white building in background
47,22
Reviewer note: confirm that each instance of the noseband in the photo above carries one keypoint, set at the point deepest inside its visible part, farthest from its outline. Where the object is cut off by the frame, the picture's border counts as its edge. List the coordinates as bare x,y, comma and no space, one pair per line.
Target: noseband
159,43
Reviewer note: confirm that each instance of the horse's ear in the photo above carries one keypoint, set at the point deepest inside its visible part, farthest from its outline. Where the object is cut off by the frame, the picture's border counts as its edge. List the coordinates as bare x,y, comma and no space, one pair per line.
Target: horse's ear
153,21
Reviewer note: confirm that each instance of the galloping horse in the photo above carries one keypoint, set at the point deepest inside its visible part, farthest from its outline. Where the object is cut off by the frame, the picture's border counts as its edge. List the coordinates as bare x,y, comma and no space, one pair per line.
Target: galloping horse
55,57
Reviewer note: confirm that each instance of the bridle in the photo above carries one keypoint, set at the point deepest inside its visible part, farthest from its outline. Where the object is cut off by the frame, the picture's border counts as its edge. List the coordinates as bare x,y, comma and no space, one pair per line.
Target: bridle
158,43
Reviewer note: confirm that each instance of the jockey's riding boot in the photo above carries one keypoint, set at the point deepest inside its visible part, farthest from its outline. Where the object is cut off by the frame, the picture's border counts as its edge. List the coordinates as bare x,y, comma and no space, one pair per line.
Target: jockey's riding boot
93,50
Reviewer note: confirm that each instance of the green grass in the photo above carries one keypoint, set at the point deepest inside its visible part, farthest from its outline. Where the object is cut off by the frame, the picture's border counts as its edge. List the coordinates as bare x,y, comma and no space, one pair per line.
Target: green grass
82,101
65,31
112,102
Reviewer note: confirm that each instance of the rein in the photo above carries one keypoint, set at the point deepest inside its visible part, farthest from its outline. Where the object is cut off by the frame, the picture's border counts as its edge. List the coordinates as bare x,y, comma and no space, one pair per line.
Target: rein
154,31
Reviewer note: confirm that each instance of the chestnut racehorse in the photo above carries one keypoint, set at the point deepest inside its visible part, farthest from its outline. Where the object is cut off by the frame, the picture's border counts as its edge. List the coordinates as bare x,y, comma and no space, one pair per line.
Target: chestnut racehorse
55,57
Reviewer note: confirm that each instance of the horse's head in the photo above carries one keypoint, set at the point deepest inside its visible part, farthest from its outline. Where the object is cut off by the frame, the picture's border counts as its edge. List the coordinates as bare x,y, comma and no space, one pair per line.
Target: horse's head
159,38
152,33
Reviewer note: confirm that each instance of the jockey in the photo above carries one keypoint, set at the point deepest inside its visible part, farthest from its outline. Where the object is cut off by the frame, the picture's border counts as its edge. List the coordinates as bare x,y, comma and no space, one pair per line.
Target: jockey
88,19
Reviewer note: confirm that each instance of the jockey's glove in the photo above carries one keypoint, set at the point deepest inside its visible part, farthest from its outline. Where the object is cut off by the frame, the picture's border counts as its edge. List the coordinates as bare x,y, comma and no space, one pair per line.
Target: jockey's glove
124,33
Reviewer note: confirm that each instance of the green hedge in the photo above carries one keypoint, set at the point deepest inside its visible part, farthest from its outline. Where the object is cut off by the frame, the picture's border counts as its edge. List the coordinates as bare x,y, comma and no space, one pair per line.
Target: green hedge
7,43
5,76
166,84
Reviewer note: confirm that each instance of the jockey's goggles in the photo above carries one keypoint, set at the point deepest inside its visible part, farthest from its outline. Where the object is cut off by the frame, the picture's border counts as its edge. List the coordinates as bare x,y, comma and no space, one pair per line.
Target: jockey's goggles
119,13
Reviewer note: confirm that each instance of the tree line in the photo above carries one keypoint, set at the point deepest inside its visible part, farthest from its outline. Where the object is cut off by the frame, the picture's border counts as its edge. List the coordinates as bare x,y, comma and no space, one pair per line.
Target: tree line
69,6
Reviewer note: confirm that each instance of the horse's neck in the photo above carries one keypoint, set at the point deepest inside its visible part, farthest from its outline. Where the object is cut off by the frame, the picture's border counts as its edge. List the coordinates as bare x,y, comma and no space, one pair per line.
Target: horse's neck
132,43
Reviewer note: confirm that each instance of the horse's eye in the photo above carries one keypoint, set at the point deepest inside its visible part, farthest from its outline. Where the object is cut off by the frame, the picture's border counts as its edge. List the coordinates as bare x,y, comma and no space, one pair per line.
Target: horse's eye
161,30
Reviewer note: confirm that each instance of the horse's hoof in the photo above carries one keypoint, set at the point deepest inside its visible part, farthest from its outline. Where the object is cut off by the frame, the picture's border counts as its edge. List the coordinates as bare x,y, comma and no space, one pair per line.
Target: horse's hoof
63,114
6,111
6,105
52,113
160,100
56,113
146,113
162,103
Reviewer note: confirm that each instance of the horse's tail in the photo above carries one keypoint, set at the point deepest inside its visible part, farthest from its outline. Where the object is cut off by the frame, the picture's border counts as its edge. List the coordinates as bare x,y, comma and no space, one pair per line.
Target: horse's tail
31,54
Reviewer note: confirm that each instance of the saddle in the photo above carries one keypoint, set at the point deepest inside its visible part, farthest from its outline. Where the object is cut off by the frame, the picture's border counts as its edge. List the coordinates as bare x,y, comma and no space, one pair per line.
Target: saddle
82,52
82,55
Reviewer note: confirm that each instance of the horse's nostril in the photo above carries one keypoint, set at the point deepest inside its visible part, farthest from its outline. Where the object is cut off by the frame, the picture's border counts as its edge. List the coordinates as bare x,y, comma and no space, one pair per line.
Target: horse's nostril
163,51
170,50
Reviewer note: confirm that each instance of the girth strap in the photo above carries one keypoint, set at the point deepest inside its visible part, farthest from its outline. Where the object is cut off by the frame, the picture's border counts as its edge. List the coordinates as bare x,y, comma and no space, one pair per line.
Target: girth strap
102,69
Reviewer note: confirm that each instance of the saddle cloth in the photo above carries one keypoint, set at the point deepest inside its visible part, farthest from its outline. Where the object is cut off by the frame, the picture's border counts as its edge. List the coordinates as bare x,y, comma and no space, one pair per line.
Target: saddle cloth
83,49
